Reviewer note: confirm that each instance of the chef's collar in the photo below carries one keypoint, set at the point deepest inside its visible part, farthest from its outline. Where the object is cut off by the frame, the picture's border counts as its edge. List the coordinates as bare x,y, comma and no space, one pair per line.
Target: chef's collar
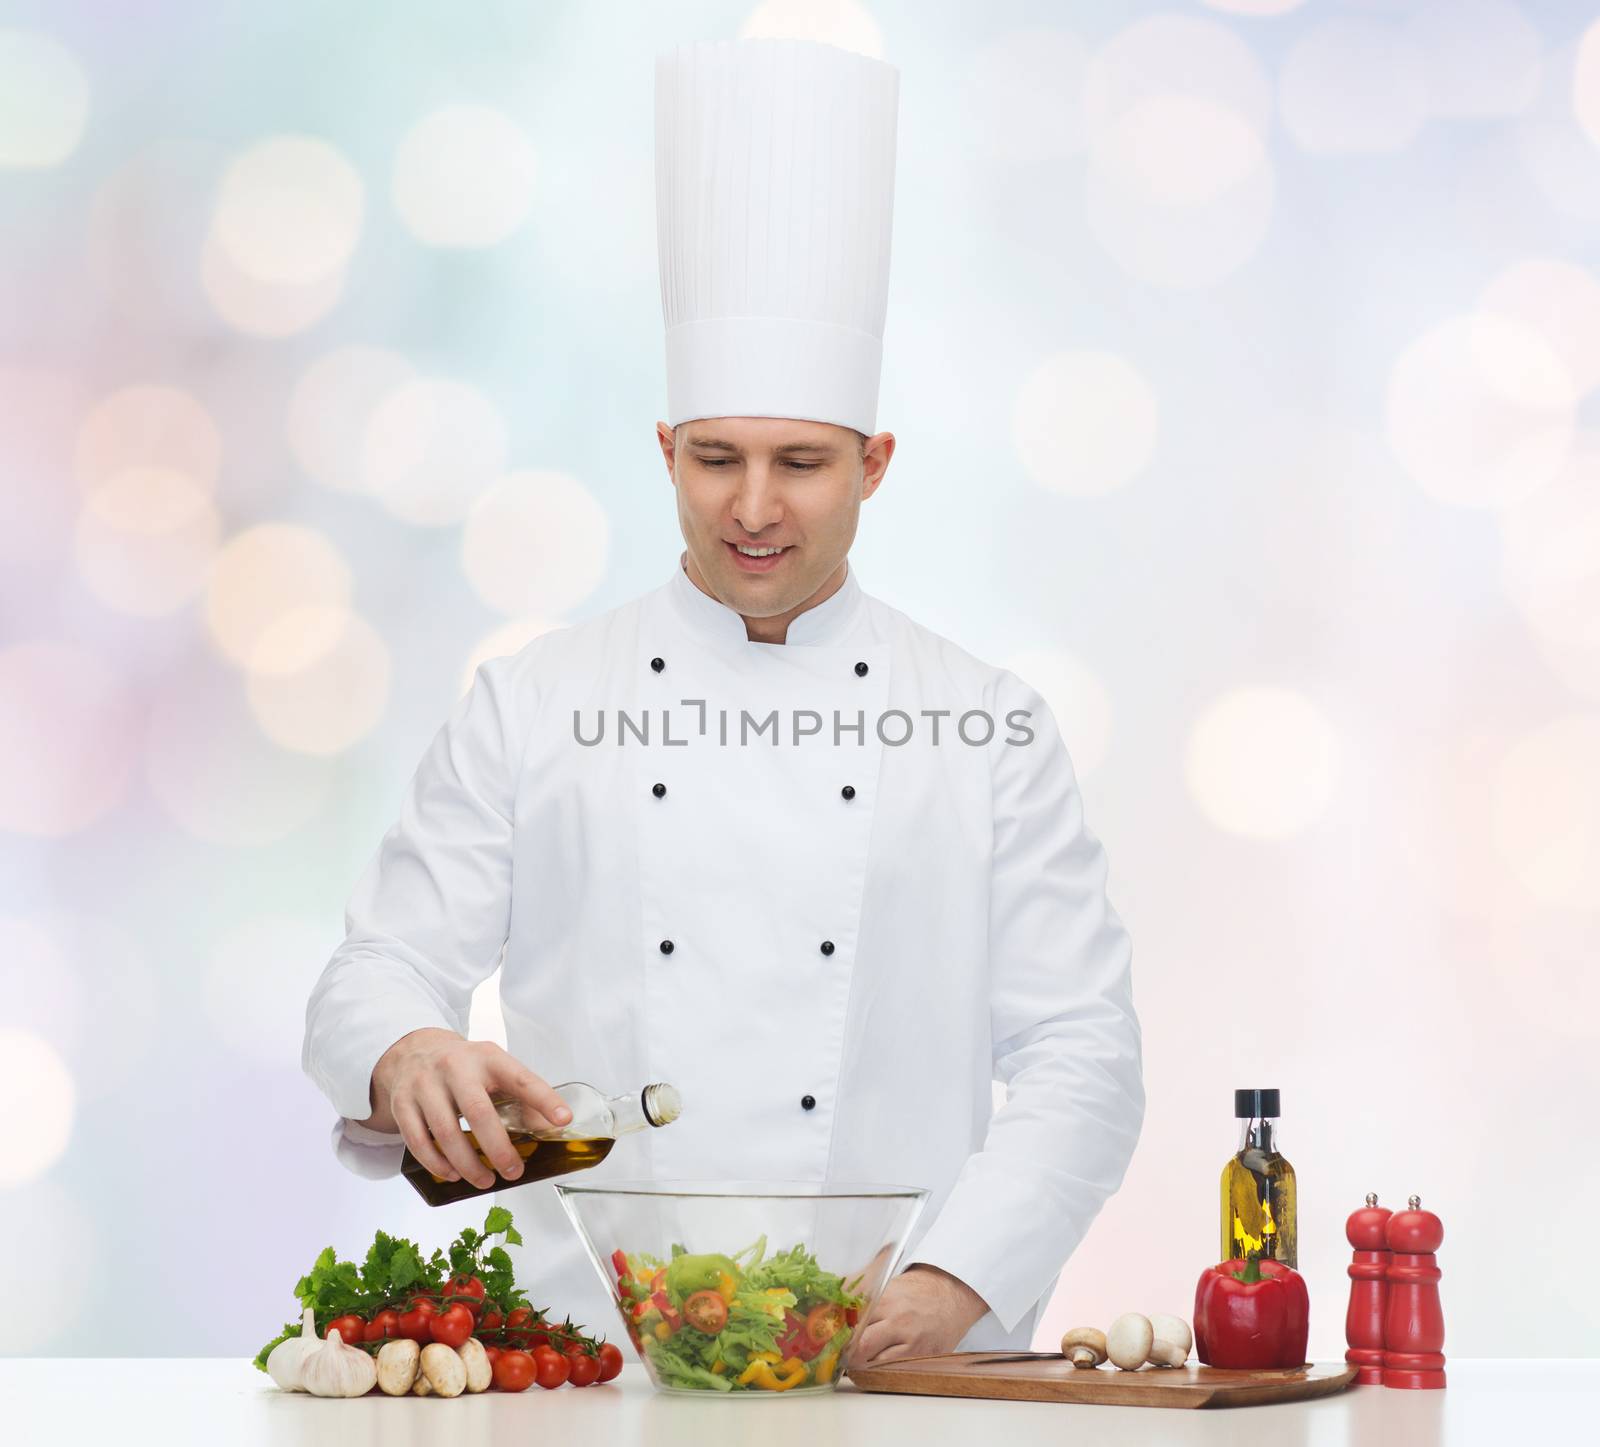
831,621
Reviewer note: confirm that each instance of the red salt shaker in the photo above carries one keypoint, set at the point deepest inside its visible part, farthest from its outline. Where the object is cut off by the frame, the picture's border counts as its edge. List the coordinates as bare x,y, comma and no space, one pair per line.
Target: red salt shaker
1364,1322
1414,1324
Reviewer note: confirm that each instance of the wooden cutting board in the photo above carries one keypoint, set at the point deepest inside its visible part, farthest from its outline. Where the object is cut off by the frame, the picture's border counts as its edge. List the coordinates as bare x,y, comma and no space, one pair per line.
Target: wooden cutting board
1049,1377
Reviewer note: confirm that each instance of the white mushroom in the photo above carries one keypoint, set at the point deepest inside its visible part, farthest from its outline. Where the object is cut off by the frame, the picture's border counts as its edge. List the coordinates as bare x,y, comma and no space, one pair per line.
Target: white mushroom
476,1361
1084,1346
420,1387
398,1360
1128,1341
445,1371
1172,1341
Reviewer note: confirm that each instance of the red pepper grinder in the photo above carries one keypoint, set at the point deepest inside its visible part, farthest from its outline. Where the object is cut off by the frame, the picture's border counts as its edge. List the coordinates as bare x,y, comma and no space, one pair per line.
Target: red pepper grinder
1414,1326
1364,1322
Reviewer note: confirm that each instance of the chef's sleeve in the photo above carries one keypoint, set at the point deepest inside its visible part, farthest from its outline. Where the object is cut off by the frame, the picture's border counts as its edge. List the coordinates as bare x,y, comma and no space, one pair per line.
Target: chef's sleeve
429,916
1065,1035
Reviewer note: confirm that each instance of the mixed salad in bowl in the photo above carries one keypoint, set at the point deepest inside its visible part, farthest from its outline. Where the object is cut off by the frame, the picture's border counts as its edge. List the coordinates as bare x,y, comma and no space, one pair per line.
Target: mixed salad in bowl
748,1322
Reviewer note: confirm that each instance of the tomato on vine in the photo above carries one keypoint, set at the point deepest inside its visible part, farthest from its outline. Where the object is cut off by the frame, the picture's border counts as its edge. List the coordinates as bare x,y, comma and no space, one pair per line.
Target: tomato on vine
514,1371
553,1368
413,1322
384,1324
452,1326
466,1286
351,1329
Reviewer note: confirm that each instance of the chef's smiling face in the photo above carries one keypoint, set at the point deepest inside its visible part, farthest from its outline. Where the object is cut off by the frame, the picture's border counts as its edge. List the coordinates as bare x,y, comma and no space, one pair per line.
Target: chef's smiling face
749,485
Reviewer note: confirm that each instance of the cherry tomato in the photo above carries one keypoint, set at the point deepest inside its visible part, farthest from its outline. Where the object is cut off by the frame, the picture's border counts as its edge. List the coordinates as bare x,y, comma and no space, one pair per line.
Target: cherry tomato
706,1311
492,1319
351,1328
824,1322
467,1286
414,1321
552,1368
451,1326
584,1370
494,1354
524,1327
383,1325
514,1371
610,1360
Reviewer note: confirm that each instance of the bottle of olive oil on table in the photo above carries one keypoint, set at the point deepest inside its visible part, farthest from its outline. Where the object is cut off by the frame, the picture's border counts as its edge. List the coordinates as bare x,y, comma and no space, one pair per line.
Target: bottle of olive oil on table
1258,1194
586,1140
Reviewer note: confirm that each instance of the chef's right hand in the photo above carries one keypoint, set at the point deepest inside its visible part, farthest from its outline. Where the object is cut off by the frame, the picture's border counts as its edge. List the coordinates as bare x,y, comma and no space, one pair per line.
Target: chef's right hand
426,1080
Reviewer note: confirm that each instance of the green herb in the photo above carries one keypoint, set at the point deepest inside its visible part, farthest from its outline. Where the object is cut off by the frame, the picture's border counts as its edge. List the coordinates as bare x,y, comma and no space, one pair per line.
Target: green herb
289,1330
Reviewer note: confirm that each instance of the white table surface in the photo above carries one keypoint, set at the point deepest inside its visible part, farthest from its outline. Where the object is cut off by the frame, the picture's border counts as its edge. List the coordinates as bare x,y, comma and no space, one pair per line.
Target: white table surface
214,1401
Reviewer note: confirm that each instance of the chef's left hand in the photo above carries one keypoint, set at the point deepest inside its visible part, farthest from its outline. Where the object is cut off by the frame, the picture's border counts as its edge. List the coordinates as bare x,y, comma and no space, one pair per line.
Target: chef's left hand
922,1312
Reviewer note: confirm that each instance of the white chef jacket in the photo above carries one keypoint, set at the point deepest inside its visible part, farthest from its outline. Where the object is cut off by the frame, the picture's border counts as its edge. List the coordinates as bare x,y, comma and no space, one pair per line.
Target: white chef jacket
830,940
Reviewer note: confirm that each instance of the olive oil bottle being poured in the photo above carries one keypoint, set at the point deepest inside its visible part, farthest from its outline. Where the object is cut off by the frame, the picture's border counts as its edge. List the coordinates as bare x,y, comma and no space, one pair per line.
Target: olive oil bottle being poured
586,1140
1258,1195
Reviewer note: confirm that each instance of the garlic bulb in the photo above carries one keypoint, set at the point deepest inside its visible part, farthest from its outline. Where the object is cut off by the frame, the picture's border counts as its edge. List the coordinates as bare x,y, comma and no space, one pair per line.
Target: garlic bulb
333,1369
285,1360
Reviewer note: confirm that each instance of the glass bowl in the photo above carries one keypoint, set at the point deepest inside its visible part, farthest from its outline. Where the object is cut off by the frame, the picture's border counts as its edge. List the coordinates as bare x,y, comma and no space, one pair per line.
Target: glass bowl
742,1288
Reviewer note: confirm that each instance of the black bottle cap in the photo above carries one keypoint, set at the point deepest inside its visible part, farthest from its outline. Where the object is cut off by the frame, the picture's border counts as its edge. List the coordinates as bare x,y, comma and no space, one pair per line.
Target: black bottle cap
1255,1104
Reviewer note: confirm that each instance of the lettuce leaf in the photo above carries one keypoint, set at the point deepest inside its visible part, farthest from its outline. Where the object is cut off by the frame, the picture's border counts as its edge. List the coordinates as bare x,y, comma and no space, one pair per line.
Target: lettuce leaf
797,1270
678,1373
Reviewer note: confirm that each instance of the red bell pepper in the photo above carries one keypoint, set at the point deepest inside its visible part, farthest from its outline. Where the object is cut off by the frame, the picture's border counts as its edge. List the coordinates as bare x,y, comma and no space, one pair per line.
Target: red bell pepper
1251,1314
796,1340
619,1260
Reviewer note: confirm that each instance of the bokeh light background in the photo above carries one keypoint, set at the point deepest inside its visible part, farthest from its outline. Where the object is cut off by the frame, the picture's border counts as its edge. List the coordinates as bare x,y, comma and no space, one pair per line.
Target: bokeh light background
1243,358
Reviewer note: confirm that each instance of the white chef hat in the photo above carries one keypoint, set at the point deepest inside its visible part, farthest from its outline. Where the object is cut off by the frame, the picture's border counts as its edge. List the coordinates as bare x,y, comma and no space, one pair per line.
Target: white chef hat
774,208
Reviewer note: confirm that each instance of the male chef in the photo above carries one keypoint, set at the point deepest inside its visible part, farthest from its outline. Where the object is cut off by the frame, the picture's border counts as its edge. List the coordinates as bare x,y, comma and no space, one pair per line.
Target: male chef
755,832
